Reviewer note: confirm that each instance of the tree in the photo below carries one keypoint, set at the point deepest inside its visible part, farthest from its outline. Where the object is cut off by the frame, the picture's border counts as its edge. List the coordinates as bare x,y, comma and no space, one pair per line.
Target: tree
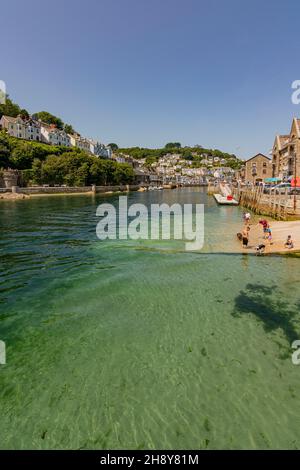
98,172
150,160
22,156
24,113
69,129
53,170
49,118
113,146
36,171
9,108
4,150
124,174
173,145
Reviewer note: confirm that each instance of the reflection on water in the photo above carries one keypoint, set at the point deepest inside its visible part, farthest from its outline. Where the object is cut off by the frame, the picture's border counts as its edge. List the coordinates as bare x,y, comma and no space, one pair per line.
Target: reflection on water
137,344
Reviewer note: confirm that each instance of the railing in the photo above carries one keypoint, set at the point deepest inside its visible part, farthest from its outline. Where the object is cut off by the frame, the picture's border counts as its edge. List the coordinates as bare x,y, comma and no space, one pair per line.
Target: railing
274,204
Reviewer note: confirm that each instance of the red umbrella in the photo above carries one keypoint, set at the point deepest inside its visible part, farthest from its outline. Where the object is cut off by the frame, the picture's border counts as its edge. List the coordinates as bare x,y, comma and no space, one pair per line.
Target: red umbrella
295,182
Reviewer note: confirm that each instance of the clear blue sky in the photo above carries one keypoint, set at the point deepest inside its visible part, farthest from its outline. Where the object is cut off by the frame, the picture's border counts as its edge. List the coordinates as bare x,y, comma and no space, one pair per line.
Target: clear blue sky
144,72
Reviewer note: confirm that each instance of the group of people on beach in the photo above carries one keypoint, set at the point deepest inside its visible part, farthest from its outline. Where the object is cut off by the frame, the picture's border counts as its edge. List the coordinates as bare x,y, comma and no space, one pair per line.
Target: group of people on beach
243,236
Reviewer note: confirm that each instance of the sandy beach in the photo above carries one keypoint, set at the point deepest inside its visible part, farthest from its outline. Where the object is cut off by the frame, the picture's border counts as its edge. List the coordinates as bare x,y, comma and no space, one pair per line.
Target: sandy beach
13,196
280,232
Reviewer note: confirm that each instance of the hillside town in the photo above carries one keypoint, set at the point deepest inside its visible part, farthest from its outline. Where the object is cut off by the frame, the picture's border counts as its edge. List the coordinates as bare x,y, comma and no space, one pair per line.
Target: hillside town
172,168
32,129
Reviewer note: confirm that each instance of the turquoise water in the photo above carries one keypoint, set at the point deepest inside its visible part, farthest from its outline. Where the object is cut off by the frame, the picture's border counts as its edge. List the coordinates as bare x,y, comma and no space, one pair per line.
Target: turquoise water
138,344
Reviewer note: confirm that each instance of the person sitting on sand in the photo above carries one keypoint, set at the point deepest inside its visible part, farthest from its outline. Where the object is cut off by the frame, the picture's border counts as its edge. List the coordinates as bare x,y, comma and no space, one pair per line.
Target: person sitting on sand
289,242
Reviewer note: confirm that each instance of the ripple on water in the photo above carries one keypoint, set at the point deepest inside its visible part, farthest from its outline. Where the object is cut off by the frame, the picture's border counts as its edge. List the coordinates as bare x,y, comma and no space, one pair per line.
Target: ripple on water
119,345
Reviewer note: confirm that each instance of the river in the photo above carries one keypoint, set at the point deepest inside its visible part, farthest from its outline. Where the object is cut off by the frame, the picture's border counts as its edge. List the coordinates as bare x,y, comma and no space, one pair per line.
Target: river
139,344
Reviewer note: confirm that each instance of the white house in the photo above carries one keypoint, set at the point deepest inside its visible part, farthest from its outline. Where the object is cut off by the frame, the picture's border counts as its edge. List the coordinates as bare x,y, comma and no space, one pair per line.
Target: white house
53,136
22,128
33,130
80,142
120,159
100,150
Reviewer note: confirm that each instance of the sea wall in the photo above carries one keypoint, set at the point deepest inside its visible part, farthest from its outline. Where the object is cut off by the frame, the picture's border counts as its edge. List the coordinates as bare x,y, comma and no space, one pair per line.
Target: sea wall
278,206
35,190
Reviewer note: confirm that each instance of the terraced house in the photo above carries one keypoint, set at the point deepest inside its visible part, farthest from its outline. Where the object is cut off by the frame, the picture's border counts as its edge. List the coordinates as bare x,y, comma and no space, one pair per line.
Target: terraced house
80,142
22,128
286,153
99,149
53,136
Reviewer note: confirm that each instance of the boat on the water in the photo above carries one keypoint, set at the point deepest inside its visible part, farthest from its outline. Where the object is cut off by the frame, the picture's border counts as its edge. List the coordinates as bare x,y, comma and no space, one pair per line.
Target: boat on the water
225,200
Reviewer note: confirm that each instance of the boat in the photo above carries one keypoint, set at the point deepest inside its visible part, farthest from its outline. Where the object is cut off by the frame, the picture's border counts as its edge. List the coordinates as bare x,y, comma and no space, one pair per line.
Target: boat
225,200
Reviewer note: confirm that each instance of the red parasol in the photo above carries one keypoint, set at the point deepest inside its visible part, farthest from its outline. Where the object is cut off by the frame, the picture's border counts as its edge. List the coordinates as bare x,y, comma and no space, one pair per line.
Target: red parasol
295,182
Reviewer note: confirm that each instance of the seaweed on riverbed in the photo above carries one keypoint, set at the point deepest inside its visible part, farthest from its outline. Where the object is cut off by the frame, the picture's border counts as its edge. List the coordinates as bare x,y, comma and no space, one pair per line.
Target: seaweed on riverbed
274,314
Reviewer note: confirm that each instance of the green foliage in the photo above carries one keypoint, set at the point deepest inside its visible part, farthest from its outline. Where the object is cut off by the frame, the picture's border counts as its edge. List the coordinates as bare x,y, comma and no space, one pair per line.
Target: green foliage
24,113
49,118
195,154
19,153
113,146
11,109
79,169
69,129
148,154
4,150
21,156
123,173
173,145
150,159
46,164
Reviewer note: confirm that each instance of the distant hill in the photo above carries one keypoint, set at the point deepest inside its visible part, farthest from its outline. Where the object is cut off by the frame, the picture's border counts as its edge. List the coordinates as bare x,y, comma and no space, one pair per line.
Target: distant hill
196,154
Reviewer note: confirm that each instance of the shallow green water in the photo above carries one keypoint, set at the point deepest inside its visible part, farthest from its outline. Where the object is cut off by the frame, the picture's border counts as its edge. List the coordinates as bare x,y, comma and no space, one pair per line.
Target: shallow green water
124,344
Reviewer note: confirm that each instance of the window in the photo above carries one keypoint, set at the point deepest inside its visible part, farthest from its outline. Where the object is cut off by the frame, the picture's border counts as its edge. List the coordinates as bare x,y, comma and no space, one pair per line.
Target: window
264,164
264,171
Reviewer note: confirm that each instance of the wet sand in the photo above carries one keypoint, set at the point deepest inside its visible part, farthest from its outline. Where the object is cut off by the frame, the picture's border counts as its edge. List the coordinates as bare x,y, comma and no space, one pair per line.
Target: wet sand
280,232
13,196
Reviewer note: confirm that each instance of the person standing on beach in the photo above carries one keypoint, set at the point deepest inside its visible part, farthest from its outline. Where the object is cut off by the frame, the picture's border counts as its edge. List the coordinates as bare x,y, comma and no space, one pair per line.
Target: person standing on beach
247,217
265,225
245,236
269,236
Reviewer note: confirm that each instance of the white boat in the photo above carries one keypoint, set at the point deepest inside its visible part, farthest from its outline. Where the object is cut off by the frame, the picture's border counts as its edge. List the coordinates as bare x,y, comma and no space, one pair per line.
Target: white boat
224,200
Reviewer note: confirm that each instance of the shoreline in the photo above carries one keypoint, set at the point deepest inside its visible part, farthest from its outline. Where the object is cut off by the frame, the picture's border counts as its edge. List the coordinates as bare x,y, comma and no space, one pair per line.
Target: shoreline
280,232
21,196
280,229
